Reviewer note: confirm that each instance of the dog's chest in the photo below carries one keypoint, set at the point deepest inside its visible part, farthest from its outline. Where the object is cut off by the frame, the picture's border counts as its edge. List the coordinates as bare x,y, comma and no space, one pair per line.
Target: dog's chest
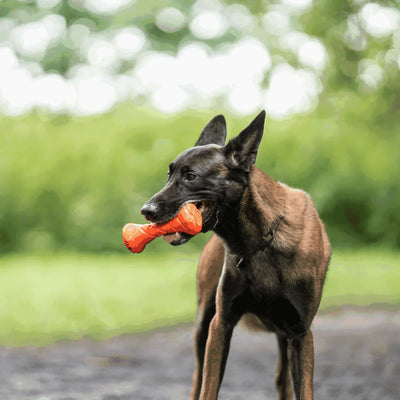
264,272
267,291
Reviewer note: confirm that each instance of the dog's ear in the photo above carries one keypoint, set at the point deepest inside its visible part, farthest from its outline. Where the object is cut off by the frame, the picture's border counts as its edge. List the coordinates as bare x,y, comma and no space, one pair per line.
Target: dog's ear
214,132
241,151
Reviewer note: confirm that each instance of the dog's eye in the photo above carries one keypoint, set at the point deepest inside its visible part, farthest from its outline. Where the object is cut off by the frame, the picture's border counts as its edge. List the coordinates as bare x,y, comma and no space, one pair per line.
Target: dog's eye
190,176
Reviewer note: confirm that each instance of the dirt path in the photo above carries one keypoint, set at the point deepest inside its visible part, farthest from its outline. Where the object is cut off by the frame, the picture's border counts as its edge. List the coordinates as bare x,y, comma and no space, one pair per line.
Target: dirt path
357,357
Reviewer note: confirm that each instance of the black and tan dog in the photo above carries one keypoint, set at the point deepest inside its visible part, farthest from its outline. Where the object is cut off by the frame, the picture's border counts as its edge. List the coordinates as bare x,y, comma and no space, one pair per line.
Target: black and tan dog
266,262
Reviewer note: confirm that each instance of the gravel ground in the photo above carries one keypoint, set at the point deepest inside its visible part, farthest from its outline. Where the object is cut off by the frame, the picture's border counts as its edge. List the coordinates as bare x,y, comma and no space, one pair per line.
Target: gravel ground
357,357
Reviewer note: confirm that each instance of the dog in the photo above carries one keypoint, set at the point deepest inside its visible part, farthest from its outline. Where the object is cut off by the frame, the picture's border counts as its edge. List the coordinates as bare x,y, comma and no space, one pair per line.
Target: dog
265,263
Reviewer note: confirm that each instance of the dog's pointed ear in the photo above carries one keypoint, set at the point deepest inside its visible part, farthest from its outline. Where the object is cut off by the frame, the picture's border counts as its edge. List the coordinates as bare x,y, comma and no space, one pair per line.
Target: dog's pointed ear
241,151
214,132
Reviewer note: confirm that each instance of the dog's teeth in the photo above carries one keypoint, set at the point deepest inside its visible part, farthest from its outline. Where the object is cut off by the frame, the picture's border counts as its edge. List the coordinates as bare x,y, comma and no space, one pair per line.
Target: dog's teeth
202,207
170,237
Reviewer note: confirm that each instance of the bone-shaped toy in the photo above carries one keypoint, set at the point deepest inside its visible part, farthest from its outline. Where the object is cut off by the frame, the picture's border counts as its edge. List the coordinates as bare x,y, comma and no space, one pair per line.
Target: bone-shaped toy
188,220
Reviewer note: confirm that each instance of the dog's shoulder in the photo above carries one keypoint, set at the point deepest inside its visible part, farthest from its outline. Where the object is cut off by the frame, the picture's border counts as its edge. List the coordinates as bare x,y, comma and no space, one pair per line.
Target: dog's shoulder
298,203
296,193
303,218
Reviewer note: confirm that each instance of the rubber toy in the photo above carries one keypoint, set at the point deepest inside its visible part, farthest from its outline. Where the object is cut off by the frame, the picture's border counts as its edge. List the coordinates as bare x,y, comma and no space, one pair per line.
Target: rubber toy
188,220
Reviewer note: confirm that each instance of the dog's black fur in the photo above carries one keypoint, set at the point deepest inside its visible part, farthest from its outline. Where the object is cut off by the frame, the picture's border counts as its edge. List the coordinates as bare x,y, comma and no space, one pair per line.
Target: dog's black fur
209,172
269,257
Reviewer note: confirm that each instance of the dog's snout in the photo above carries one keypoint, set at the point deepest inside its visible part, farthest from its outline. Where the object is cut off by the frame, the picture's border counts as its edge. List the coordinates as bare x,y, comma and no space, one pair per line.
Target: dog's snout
150,210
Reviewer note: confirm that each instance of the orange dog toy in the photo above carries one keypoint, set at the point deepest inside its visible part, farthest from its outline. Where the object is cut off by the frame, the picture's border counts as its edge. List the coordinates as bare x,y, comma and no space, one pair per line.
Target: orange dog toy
136,236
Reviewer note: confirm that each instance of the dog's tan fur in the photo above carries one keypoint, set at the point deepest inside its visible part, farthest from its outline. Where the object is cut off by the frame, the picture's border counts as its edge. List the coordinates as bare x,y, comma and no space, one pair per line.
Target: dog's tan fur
269,259
301,239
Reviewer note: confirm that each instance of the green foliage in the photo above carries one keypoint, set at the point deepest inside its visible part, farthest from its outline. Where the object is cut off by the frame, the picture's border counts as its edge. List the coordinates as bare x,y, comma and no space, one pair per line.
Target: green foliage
48,298
72,183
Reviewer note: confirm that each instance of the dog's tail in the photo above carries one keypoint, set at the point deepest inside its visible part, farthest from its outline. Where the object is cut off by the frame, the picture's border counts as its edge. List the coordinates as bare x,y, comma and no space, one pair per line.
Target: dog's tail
252,323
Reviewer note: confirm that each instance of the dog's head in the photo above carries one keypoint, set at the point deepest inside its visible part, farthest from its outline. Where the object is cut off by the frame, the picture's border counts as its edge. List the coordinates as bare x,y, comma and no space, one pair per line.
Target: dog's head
211,175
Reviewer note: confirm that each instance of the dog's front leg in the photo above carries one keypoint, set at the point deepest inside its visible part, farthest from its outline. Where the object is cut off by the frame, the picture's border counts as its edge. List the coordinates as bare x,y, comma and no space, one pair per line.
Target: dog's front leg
301,356
219,337
283,380
220,332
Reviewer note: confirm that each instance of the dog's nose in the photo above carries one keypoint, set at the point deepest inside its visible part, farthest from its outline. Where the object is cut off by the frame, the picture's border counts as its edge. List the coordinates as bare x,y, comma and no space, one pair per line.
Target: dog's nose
149,210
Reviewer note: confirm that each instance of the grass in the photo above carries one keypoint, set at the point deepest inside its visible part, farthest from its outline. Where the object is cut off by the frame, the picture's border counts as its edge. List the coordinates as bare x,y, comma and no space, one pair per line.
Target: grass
56,297
362,278
49,298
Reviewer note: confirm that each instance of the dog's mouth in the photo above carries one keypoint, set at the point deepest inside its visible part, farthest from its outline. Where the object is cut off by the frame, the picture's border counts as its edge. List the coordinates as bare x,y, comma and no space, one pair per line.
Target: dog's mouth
206,209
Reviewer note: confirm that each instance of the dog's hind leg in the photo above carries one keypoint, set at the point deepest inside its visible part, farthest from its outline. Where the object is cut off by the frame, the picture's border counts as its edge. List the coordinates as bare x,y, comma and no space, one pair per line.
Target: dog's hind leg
301,359
283,383
209,271
204,316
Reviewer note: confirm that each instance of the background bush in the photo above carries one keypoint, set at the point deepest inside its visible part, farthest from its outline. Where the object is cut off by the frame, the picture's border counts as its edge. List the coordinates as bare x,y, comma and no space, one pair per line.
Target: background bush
72,183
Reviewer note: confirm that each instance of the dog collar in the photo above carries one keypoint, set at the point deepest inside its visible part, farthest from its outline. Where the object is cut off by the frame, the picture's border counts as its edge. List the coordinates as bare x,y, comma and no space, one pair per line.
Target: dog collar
272,230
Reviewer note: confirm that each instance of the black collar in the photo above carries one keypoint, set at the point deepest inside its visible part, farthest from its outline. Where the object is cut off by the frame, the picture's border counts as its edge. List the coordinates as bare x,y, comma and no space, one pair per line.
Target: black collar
269,237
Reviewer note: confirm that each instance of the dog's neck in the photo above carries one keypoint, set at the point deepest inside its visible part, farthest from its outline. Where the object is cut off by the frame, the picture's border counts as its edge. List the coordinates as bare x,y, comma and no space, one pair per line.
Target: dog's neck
244,227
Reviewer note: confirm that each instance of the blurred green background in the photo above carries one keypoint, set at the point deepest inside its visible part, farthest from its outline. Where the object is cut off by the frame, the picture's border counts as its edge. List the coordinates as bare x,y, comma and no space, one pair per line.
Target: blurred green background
73,172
